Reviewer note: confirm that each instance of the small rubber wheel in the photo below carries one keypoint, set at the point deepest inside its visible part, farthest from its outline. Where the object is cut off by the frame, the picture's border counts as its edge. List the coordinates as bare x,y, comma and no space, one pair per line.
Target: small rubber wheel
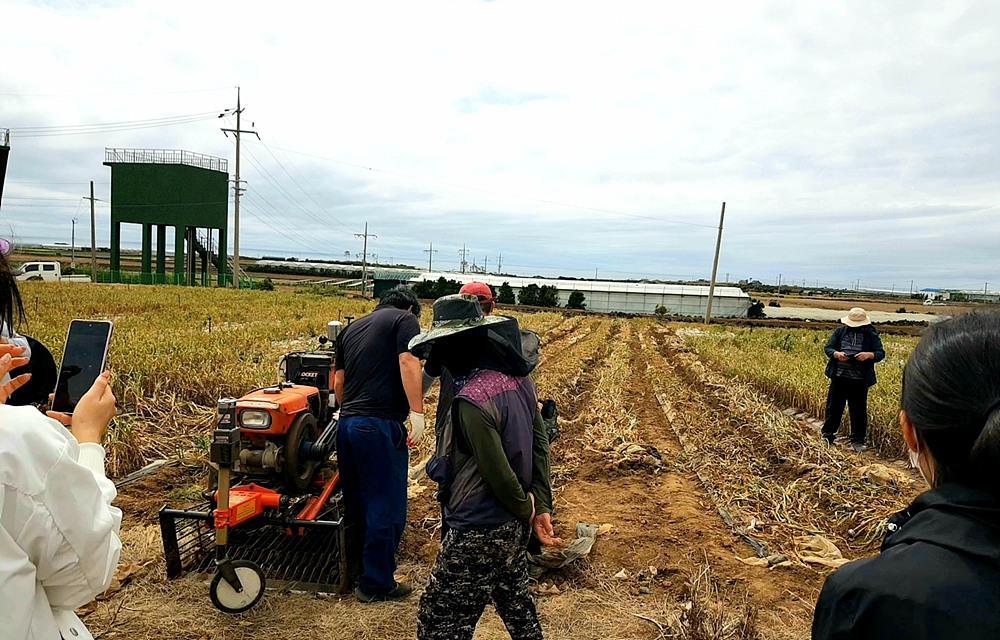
227,599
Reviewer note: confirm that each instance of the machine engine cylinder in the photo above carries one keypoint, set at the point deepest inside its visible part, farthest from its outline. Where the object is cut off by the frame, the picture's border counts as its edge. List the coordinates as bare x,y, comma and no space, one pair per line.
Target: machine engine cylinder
260,458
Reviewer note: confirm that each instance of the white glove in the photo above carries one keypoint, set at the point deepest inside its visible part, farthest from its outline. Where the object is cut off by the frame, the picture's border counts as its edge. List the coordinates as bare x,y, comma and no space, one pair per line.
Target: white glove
416,429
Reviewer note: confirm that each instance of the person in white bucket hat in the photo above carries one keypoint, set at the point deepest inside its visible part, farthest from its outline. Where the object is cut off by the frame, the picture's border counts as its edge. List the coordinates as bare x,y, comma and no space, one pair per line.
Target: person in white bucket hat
853,350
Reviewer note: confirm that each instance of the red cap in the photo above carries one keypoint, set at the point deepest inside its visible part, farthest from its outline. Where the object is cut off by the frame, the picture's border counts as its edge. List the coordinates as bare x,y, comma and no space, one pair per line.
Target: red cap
479,289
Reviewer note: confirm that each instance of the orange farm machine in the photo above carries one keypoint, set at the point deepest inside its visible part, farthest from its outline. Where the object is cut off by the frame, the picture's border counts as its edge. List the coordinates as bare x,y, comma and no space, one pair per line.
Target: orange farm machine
273,511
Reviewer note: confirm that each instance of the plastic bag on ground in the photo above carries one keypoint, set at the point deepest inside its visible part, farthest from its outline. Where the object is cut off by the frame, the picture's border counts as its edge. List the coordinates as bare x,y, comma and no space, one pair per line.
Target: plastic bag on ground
586,535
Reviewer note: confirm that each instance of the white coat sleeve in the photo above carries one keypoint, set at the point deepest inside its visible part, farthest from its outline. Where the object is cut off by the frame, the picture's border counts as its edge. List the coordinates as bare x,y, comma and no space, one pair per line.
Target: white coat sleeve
85,527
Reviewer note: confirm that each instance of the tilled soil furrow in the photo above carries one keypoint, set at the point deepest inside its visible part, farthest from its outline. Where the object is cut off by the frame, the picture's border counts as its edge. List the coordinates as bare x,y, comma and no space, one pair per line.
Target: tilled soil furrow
776,480
660,527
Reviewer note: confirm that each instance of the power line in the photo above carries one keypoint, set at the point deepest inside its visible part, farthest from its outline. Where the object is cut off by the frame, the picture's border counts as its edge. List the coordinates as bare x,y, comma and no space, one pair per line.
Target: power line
496,194
277,229
113,92
117,123
284,192
275,216
296,182
90,132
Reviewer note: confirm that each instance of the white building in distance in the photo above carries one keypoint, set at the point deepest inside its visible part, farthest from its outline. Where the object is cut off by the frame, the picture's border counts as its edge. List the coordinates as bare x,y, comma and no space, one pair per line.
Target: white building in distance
624,297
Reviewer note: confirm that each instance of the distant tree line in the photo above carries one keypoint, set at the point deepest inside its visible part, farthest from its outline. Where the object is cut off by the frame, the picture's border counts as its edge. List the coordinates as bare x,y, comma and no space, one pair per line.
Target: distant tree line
531,295
434,289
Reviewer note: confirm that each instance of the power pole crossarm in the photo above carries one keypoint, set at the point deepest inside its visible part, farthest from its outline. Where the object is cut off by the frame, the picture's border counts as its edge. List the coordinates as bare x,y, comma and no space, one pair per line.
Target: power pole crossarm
715,266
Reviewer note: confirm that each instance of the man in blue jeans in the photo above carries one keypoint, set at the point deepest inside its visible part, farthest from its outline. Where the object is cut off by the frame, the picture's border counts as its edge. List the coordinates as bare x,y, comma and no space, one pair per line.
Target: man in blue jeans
378,382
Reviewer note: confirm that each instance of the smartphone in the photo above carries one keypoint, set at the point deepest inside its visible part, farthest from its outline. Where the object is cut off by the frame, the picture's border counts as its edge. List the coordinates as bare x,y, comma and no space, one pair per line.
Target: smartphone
84,358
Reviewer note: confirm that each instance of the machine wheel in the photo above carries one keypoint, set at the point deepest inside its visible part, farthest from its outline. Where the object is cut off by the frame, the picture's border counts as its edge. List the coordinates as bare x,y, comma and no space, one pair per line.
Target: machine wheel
227,599
299,471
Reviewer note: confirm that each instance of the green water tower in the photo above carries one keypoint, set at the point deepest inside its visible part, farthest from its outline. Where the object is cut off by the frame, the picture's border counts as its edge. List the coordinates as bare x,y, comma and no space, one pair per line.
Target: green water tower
186,191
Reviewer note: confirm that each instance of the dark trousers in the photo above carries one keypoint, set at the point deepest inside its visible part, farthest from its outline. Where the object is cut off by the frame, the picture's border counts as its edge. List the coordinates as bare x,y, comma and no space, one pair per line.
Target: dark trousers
373,460
854,394
476,567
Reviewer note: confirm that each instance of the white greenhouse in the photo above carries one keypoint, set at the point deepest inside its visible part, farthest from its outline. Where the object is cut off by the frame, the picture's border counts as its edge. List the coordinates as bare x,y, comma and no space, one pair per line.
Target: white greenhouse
625,297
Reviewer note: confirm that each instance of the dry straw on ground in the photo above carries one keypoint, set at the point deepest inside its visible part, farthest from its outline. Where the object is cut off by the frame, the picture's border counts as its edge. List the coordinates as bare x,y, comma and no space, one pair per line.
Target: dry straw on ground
789,365
776,477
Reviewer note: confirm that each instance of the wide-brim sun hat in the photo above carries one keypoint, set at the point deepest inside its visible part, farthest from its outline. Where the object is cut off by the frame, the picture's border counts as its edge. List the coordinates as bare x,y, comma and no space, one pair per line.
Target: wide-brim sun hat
856,317
452,315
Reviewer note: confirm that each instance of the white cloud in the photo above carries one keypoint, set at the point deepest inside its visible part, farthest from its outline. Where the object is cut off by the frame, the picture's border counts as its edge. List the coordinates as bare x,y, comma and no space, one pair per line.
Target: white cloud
850,140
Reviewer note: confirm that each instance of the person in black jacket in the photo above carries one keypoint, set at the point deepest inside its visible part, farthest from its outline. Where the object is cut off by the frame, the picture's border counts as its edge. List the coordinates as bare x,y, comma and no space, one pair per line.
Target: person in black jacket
853,351
938,574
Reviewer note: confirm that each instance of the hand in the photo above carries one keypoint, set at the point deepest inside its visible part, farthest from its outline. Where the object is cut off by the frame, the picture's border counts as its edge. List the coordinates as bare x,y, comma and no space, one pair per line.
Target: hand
93,414
416,429
864,355
840,355
542,524
9,362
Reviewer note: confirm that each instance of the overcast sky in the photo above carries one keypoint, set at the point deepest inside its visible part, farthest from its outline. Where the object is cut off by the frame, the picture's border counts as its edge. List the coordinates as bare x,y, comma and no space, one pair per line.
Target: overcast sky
850,140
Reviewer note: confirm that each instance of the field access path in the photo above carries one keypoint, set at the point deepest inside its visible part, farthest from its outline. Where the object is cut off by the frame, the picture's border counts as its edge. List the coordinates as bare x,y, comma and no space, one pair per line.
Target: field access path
664,548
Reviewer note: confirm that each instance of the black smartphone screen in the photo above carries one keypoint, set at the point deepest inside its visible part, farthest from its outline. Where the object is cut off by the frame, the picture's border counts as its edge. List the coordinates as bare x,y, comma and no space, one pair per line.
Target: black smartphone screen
83,360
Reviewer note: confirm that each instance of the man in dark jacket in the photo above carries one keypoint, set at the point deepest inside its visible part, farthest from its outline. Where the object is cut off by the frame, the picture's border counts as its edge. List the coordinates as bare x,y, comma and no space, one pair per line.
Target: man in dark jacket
853,351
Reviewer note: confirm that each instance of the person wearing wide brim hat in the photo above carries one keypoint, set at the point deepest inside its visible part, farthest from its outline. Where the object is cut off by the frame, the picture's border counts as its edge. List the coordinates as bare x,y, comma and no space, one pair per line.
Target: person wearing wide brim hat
491,466
852,352
455,330
461,314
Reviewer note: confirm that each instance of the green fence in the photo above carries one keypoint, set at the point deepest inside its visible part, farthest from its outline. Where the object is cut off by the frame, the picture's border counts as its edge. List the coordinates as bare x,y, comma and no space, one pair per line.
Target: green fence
169,277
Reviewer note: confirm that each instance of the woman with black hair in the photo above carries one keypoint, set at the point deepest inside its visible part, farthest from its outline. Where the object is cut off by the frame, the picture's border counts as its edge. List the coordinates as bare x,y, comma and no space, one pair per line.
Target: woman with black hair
11,314
59,544
938,574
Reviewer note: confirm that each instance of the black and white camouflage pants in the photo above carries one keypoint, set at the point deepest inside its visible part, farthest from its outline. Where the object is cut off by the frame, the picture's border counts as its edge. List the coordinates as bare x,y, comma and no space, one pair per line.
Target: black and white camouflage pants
475,568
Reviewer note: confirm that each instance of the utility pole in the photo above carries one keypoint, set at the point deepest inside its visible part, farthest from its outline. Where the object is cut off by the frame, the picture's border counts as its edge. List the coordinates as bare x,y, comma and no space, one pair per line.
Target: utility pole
430,258
779,284
72,250
595,273
486,261
236,187
499,263
93,236
715,266
464,253
364,259
911,287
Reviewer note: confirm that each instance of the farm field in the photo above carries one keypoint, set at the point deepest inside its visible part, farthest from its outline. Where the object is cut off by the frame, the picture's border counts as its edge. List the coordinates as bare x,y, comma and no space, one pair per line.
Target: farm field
715,506
788,365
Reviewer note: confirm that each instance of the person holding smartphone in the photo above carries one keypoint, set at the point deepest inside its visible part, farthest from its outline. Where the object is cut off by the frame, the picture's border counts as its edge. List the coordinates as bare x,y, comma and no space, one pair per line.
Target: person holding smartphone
59,543
853,350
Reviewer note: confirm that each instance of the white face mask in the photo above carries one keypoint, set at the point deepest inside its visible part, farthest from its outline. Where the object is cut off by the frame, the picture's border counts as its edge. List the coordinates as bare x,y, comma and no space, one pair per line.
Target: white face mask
915,463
